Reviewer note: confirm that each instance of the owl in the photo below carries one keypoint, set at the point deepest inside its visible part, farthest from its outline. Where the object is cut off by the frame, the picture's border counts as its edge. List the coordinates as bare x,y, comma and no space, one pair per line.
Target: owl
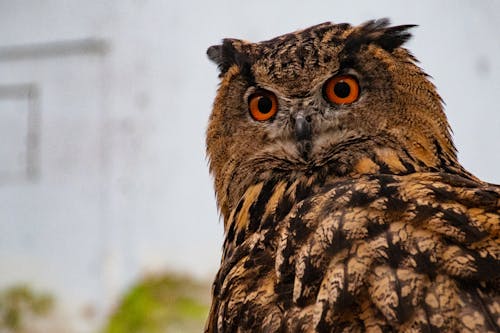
345,208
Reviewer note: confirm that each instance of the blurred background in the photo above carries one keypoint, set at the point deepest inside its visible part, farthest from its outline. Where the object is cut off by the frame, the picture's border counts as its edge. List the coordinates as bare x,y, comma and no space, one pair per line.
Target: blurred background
107,212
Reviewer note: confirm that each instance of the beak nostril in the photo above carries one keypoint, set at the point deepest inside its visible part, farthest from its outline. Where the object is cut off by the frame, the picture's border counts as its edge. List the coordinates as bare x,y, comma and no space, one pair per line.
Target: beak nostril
308,119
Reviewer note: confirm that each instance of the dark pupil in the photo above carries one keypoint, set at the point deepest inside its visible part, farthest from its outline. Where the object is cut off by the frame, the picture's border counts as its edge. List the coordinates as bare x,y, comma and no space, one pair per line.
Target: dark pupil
265,104
342,89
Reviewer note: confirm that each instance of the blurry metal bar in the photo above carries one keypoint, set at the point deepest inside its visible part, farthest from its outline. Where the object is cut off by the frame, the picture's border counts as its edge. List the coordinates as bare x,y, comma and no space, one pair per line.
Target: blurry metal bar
34,132
30,92
88,46
22,90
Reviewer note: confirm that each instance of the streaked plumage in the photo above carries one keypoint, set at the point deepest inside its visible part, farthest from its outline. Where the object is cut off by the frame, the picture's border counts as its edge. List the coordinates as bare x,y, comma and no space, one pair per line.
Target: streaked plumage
368,223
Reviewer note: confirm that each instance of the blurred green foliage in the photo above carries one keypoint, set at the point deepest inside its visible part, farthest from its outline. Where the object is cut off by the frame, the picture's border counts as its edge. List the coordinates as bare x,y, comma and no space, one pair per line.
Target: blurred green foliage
165,303
20,305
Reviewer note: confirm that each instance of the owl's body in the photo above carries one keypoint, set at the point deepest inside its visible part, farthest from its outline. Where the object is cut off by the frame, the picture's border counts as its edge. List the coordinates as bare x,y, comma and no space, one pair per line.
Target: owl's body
345,208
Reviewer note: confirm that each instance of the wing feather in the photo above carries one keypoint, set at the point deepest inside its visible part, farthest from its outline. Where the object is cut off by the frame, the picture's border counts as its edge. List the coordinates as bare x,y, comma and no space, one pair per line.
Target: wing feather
412,253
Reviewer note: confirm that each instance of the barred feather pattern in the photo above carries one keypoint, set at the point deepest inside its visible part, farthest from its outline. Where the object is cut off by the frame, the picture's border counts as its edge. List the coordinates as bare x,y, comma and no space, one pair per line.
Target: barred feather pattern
366,224
378,253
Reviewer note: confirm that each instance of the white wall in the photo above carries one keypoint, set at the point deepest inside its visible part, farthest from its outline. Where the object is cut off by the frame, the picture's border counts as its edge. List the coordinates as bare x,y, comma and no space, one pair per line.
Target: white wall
109,179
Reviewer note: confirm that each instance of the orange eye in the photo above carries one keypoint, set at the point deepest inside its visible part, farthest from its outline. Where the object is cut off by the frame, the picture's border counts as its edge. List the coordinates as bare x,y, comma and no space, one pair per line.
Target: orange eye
262,105
343,89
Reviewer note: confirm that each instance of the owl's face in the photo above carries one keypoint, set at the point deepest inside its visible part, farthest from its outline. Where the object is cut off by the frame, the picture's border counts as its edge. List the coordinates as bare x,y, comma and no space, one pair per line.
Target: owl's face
294,103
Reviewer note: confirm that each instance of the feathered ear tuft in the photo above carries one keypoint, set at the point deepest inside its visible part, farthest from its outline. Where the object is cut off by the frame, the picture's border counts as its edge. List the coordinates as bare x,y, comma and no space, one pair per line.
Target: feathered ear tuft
226,55
377,32
214,53
223,55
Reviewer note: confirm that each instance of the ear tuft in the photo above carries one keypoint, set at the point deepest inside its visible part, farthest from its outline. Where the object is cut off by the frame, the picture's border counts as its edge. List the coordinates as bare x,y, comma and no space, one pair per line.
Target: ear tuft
229,53
377,32
224,55
214,53
394,37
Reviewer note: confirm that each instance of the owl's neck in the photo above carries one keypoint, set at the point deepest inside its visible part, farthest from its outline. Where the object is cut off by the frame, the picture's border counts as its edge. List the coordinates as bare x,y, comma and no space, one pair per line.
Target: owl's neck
269,193
348,159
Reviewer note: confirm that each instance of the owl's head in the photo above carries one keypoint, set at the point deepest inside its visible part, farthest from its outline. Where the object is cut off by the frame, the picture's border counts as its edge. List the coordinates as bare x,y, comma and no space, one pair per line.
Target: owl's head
348,98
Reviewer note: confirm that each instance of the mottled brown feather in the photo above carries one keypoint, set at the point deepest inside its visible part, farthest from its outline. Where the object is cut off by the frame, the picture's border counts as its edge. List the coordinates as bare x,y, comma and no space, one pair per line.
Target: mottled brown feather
379,228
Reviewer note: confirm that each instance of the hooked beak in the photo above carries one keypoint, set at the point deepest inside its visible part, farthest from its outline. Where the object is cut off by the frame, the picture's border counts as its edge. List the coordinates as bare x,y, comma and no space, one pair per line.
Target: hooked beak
303,133
302,128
